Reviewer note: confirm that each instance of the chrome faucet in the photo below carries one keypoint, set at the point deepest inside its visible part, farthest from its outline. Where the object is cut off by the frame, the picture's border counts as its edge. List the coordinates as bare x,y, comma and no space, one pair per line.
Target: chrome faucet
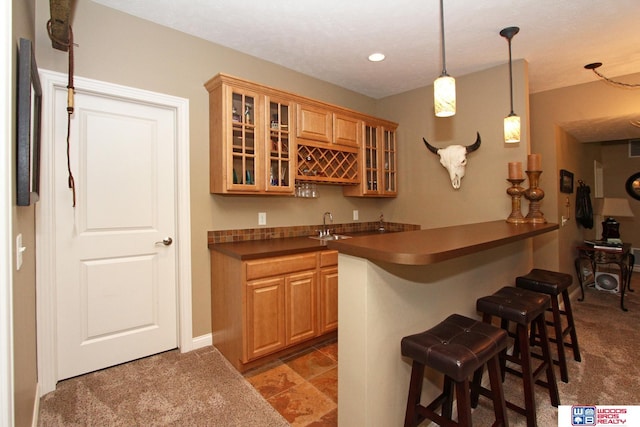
324,231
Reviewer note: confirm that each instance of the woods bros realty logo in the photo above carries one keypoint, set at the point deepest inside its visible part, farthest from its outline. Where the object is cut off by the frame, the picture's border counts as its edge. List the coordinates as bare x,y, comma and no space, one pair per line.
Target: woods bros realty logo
599,416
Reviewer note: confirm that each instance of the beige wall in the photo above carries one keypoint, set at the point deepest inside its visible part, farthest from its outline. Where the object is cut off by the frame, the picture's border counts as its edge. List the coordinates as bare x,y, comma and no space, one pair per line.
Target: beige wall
549,111
426,196
122,49
24,305
145,55
119,48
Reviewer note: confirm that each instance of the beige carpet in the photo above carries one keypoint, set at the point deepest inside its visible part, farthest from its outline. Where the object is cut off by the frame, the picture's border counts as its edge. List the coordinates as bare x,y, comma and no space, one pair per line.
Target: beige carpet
609,373
199,388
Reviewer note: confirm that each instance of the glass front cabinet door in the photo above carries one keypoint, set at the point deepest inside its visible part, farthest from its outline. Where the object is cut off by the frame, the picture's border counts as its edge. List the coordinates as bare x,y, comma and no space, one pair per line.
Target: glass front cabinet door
243,172
280,147
378,163
389,164
251,148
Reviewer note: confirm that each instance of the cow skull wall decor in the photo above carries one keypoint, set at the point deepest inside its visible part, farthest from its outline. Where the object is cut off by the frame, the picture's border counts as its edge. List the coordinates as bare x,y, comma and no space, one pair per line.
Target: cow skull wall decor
454,158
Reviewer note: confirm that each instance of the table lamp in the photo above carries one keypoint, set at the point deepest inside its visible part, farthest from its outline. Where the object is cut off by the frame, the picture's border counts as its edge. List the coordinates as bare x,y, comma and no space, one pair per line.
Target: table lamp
613,207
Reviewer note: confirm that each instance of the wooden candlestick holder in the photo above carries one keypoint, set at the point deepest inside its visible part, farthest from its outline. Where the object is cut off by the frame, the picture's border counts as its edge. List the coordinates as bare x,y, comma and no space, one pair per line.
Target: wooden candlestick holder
534,194
515,191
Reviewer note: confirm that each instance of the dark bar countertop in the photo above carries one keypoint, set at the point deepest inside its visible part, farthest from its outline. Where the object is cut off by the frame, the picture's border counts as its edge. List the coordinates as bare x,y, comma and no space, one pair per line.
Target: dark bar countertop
419,247
423,247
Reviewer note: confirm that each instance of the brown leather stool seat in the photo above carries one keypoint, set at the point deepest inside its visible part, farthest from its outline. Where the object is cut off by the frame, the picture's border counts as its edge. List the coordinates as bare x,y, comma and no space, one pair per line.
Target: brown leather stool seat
524,308
554,284
456,347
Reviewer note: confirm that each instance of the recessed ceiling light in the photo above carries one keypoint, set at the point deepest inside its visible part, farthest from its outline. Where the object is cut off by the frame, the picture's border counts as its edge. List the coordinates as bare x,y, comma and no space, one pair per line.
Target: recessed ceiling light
376,57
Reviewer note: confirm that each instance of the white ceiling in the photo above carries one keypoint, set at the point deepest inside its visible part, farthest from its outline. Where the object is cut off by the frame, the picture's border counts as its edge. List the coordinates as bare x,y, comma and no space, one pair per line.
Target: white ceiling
331,39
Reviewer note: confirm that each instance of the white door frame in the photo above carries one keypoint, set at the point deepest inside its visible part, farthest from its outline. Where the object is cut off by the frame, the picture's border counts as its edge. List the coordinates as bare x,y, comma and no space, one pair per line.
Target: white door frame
45,220
7,168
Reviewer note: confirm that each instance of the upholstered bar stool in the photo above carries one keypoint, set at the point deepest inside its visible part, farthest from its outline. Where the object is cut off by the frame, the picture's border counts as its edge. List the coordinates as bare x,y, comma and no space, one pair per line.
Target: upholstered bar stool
524,308
456,347
555,284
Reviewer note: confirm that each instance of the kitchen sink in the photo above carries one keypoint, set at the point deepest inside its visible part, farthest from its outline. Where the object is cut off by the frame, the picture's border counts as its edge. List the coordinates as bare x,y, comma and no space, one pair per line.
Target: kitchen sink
330,237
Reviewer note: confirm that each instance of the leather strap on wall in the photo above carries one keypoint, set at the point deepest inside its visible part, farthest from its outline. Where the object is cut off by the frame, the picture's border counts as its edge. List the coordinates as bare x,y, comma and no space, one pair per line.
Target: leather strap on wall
70,100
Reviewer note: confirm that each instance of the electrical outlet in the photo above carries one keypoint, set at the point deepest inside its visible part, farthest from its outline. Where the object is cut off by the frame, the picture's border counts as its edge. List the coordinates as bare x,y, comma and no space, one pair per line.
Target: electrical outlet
355,215
262,218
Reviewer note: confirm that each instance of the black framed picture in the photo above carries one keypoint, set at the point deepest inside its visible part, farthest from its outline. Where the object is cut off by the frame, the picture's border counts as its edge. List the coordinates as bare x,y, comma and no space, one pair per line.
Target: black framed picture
29,111
566,181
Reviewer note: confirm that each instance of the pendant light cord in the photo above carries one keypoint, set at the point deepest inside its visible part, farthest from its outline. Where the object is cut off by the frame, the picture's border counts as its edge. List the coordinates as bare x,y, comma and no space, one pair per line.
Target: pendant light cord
70,102
510,79
444,61
608,80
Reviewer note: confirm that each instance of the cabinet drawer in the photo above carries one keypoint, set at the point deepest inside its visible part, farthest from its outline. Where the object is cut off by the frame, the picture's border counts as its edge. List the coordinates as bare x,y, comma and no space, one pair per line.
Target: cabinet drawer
280,265
328,258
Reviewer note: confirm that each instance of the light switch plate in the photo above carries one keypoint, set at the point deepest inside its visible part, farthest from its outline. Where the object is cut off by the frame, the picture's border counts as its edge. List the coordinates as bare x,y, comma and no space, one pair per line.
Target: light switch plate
355,215
19,250
262,218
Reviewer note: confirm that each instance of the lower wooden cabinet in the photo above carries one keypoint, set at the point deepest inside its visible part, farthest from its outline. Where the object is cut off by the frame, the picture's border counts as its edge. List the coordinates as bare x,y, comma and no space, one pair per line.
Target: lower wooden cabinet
265,317
265,307
328,307
328,299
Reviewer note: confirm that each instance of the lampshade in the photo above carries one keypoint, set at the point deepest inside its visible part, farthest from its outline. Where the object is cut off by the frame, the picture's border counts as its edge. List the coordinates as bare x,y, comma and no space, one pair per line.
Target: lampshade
444,87
615,207
512,128
611,207
512,121
444,96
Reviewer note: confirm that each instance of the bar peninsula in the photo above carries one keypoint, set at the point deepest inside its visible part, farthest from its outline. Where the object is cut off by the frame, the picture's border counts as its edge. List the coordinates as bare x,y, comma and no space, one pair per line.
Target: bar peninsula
397,284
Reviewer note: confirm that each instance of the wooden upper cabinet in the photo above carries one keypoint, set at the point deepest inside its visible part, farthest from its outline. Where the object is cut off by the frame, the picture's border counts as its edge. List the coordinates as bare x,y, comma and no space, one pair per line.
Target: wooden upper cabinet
314,123
251,147
262,140
378,162
347,130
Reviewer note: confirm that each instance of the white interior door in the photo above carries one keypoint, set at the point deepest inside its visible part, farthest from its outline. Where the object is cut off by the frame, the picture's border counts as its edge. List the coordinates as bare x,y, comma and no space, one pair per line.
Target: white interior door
116,285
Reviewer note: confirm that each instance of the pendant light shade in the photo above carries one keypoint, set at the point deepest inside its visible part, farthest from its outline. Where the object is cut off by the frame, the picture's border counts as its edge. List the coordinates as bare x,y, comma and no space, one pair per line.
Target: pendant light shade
444,91
512,128
512,121
444,87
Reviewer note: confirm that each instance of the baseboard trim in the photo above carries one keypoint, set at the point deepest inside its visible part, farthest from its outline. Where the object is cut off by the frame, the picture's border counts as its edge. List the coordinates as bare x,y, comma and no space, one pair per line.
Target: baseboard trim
36,407
202,341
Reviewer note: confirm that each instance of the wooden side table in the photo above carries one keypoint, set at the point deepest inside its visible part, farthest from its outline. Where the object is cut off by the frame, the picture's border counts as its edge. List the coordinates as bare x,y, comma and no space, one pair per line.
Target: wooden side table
598,256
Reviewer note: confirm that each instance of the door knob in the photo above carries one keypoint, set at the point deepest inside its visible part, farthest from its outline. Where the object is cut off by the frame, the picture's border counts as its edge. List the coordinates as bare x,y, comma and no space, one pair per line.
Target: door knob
166,241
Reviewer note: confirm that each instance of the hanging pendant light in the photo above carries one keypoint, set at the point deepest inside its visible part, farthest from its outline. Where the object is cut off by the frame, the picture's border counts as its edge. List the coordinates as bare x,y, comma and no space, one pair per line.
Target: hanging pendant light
512,121
444,87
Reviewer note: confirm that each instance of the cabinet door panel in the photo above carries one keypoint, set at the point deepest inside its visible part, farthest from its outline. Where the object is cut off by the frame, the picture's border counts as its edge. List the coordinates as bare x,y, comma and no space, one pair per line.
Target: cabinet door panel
328,299
314,123
347,130
301,308
389,172
243,172
265,317
281,148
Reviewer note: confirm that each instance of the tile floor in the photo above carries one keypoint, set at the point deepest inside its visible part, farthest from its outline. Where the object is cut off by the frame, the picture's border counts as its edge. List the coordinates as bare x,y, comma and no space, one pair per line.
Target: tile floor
302,387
